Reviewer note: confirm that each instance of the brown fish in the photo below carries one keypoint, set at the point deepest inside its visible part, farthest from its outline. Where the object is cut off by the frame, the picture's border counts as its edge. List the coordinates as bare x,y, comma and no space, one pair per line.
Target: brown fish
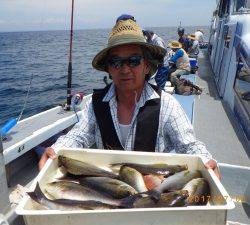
160,168
66,204
171,199
74,191
199,191
115,188
133,178
77,167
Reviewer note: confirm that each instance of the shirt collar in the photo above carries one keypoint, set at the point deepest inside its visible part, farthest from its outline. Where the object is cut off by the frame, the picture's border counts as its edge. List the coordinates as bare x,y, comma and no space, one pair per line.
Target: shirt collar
147,94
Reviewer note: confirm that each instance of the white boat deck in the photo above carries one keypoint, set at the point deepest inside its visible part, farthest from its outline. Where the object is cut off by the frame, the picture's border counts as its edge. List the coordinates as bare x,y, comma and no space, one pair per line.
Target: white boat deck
32,131
216,126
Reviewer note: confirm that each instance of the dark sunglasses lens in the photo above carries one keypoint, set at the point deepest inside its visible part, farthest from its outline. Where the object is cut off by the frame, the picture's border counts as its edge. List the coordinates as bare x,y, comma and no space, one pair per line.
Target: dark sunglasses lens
115,62
134,61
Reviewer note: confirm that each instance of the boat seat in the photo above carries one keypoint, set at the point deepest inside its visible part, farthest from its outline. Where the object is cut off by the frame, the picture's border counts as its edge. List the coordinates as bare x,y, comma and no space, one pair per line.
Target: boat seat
187,103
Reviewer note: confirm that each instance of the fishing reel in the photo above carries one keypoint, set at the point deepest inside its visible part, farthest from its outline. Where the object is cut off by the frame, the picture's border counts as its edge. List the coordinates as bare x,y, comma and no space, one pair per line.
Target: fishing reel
76,99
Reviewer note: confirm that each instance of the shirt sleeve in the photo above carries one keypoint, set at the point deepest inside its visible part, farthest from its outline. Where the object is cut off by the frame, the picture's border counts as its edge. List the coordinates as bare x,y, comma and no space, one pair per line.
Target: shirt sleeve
82,135
180,132
177,55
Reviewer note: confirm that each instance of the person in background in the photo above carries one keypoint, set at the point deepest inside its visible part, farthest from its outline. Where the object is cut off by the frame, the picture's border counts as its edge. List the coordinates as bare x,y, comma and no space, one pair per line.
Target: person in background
179,60
162,74
153,38
183,39
199,35
130,114
193,50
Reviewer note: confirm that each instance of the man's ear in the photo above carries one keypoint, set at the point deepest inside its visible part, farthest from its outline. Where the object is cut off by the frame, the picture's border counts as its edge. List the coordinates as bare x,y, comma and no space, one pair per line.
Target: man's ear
147,67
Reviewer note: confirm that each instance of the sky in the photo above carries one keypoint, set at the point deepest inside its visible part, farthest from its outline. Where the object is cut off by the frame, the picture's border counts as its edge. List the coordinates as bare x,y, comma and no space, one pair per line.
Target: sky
29,15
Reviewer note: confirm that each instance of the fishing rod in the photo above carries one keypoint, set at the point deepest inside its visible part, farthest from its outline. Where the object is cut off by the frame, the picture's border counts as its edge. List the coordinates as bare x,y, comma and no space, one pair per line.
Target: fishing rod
69,83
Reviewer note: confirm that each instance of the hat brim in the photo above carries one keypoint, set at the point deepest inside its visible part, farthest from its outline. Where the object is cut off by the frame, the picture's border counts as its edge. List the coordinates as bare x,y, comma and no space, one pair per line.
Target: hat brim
192,38
171,46
157,53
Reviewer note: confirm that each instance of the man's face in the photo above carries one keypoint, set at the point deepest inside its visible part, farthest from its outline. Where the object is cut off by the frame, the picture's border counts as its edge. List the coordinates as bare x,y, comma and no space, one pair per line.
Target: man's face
127,67
180,34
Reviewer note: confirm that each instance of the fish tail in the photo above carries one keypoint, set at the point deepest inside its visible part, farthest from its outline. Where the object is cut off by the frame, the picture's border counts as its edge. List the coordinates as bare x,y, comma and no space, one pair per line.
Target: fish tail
127,202
37,195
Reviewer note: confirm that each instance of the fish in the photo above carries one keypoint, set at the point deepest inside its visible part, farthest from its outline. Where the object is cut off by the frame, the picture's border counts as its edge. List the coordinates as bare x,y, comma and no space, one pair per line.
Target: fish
74,191
171,199
113,187
175,182
198,190
152,181
66,204
133,178
77,167
159,168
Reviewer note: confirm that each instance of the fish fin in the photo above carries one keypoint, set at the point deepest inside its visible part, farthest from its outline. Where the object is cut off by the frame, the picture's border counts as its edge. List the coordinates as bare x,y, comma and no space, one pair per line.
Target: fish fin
128,202
155,195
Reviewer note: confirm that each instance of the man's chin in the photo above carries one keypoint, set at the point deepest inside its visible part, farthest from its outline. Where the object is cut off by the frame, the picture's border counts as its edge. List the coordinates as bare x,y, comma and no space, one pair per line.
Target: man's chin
126,87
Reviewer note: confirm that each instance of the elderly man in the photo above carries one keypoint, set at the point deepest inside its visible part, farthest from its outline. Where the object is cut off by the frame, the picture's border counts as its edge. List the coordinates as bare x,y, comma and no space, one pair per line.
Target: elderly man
130,114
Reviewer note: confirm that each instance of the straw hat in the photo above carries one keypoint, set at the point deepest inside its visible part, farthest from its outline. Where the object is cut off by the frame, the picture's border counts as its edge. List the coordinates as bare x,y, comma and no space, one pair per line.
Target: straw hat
129,32
201,30
192,37
175,44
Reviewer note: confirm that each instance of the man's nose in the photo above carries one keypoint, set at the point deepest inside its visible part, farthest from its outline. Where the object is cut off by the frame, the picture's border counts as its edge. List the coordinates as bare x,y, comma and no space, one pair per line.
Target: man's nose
125,67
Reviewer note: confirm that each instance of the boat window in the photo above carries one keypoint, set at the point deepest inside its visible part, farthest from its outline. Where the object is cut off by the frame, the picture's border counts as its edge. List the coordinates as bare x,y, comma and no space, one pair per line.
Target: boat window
242,84
241,6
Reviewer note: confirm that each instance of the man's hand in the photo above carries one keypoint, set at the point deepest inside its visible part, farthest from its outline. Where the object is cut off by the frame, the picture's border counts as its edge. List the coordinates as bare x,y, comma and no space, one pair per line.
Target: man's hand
49,153
212,164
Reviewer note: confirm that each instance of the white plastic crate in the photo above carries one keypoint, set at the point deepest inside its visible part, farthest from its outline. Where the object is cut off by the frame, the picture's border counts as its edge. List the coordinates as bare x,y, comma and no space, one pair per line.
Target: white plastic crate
215,213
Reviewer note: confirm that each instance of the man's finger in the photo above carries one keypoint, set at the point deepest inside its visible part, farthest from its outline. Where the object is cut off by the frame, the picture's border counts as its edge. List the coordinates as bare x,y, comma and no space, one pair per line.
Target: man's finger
212,164
42,161
51,153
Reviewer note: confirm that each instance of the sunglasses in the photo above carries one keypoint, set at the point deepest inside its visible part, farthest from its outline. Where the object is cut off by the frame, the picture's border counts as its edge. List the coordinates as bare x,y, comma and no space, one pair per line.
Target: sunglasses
117,62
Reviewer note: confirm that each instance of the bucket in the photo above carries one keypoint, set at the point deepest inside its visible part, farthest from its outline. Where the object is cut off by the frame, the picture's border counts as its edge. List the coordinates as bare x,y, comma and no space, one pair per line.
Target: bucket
215,213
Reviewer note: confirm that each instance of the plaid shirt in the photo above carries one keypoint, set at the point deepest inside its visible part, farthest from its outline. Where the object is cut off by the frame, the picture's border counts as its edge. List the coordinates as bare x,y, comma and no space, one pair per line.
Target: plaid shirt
175,132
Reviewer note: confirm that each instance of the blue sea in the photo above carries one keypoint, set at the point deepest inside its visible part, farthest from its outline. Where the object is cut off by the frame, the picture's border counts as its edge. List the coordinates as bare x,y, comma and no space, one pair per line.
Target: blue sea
44,55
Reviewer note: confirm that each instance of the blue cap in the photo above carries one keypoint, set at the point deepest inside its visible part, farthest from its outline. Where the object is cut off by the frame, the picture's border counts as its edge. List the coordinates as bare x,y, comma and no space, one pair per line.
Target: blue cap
125,17
181,30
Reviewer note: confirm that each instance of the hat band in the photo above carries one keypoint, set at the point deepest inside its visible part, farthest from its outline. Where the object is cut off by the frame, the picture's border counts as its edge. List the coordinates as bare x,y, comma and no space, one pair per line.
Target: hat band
125,39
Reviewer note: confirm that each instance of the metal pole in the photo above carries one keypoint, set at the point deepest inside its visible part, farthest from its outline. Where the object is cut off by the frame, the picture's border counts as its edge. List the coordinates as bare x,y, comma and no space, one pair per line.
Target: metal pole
4,192
70,60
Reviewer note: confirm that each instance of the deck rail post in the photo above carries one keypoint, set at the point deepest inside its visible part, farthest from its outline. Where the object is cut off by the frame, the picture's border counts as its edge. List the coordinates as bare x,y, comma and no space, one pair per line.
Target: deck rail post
4,192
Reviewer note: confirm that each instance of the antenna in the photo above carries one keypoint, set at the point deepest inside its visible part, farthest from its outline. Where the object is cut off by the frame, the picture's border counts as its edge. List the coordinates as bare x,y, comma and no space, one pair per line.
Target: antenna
70,61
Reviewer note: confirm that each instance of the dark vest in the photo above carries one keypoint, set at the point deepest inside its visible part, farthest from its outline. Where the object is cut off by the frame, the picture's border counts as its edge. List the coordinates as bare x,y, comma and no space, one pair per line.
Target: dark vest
146,128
